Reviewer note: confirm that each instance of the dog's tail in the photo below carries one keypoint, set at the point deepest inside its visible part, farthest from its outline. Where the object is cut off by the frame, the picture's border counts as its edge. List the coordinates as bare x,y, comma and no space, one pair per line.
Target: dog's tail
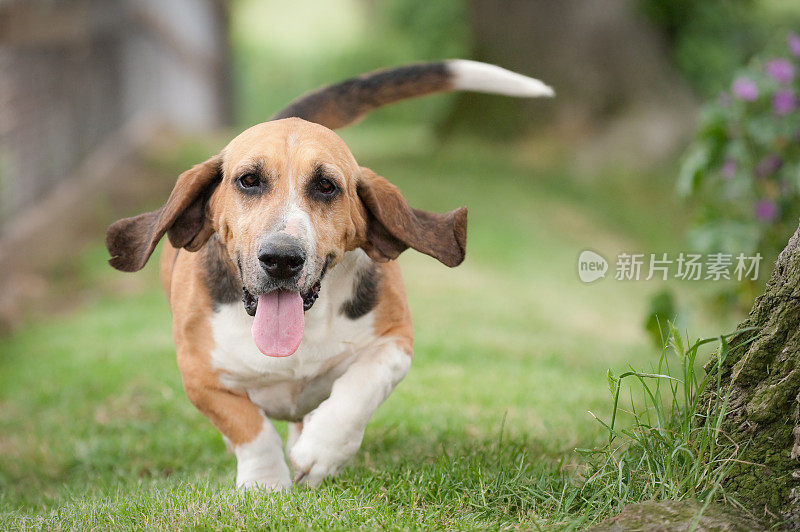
346,102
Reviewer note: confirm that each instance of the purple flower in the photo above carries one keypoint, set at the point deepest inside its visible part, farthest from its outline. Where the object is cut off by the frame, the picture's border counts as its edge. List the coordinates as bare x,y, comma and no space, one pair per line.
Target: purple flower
744,89
783,102
768,165
781,70
793,40
728,170
766,210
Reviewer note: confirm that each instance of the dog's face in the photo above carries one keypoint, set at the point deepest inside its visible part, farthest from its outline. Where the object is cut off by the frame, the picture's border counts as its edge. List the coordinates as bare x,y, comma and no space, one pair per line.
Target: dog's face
287,207
288,200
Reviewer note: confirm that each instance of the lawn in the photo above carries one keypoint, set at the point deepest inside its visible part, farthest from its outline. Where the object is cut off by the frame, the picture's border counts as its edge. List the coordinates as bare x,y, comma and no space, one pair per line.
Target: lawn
511,354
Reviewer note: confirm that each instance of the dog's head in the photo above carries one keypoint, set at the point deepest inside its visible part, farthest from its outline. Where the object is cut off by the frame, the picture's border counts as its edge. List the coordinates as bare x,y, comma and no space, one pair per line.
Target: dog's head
287,199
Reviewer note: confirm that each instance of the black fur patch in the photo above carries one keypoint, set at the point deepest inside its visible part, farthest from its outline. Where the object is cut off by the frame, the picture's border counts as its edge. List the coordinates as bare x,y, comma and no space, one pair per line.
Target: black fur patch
340,104
218,275
365,294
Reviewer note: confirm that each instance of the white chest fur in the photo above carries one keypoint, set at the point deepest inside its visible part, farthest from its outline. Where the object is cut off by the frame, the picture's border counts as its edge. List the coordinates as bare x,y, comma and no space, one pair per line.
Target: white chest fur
290,387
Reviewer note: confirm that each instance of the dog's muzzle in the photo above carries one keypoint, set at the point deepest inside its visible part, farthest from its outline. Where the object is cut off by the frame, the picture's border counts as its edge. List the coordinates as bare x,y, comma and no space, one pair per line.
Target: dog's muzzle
283,259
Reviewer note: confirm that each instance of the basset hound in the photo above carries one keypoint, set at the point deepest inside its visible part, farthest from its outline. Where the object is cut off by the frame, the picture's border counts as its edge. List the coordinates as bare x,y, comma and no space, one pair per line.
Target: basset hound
280,272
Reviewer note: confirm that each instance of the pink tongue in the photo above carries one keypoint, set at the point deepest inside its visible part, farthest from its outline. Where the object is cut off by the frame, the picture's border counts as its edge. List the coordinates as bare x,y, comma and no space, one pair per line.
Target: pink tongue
278,325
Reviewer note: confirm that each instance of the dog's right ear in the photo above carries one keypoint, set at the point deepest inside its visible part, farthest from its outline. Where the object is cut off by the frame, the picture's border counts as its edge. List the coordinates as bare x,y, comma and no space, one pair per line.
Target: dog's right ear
131,241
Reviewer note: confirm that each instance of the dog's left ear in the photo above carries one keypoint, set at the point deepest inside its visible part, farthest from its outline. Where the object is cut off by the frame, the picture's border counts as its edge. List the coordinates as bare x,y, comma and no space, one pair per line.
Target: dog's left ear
131,241
393,226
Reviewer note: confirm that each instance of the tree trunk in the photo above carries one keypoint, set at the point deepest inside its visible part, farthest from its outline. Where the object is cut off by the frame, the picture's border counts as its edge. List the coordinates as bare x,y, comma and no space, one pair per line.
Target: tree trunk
601,58
764,404
618,99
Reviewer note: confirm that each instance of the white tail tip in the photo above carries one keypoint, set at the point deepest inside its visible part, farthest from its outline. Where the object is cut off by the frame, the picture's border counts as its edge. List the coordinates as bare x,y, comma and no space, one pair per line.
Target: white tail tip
474,76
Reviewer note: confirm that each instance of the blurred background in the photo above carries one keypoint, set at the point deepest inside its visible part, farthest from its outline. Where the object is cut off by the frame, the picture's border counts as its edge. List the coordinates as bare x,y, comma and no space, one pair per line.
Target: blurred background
649,147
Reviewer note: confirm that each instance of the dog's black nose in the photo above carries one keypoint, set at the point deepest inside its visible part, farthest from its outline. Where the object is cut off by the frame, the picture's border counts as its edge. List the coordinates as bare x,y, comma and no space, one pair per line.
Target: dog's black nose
282,259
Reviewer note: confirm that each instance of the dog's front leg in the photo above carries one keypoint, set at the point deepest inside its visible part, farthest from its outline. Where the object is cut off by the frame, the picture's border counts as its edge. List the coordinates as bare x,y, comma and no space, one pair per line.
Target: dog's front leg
260,461
332,433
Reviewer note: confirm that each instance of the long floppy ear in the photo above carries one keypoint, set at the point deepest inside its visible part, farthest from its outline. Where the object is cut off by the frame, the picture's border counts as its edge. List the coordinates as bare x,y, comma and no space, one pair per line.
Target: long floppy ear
393,226
131,241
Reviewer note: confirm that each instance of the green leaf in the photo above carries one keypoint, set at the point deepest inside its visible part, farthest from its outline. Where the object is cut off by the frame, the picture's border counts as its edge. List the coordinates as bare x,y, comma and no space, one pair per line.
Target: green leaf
692,169
612,381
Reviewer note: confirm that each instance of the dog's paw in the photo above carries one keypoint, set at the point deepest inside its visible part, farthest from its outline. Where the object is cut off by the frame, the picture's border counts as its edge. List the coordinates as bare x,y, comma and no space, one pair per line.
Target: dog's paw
313,460
263,484
259,474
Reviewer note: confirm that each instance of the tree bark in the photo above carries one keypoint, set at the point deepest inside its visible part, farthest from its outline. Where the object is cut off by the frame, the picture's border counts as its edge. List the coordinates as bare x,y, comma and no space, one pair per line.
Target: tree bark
763,376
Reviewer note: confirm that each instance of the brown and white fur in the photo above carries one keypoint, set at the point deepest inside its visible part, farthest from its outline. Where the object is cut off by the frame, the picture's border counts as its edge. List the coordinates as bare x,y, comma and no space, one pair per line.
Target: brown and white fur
293,178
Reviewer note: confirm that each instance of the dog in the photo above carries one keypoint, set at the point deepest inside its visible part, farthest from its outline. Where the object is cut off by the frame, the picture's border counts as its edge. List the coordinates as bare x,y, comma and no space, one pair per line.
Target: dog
287,301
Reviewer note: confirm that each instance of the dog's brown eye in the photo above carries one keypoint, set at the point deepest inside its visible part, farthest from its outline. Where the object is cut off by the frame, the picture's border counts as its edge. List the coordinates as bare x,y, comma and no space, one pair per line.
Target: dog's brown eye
249,181
326,187
322,187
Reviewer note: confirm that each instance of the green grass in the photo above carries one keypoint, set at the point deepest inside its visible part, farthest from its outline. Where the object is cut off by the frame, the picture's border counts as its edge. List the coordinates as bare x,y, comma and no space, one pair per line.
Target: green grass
511,355
675,448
